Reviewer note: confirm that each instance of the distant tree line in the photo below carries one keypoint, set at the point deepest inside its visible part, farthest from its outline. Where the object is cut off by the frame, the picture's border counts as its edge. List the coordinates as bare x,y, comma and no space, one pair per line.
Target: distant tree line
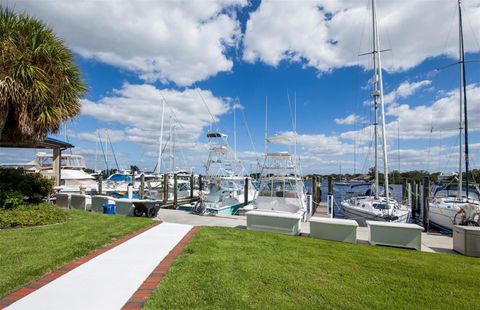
395,176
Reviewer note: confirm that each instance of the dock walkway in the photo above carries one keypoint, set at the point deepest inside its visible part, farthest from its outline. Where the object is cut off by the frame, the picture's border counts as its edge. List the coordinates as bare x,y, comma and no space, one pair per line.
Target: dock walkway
431,242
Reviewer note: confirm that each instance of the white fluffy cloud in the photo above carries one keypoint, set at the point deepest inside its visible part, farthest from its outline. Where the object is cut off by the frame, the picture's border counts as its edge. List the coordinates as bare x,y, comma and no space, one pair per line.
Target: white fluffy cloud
318,144
349,120
438,120
330,34
405,90
139,109
179,41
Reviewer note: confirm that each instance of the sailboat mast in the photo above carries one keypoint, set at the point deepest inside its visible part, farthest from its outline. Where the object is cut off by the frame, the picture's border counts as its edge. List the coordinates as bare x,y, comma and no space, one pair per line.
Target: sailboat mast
464,89
160,139
375,100
382,105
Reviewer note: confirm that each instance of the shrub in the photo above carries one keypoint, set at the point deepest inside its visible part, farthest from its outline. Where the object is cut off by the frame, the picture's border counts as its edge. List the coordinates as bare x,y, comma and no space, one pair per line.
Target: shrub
32,187
32,215
13,200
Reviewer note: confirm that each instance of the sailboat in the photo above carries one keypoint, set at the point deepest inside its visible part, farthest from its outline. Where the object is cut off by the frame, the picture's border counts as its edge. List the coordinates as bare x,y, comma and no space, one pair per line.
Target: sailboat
458,205
374,204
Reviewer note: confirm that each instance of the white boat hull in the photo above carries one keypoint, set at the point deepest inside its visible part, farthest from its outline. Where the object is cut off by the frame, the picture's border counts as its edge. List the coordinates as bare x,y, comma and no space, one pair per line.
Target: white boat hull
368,208
362,217
442,217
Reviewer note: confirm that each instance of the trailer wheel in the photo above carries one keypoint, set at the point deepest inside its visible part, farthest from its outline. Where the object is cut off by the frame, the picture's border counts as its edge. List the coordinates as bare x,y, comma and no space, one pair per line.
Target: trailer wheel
137,212
152,212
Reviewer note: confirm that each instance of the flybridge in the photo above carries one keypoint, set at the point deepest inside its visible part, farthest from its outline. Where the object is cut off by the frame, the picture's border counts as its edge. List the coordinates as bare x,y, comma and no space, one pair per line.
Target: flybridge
221,160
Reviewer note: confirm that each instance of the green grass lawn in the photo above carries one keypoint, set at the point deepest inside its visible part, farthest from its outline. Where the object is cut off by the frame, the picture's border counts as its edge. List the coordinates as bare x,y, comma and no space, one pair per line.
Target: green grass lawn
28,253
233,268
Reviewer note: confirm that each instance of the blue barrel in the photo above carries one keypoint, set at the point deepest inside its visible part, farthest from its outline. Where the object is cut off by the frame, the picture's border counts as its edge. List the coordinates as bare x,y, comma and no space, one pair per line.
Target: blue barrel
109,208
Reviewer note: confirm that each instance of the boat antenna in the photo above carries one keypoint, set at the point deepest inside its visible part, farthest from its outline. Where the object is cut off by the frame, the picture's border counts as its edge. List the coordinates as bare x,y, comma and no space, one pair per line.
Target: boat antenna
96,155
249,135
463,89
113,151
235,137
103,152
266,125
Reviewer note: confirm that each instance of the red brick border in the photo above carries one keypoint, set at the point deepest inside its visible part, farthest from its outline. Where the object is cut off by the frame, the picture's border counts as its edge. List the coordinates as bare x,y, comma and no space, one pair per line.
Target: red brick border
139,298
22,292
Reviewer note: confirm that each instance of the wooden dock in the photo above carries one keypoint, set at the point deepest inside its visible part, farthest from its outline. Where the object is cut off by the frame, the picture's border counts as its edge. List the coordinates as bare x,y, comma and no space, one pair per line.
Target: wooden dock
172,205
322,210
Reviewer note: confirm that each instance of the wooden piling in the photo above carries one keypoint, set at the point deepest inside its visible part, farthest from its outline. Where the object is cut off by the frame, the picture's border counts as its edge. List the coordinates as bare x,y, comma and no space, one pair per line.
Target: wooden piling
330,195
426,207
245,193
191,185
100,183
319,190
142,186
314,190
175,183
414,199
165,188
404,191
330,186
409,194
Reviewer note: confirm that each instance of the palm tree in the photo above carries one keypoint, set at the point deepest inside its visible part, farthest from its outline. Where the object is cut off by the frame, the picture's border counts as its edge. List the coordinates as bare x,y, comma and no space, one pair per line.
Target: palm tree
40,85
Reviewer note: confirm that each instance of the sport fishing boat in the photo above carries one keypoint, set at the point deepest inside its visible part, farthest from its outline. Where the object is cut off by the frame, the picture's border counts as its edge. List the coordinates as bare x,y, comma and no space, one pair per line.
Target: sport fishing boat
225,179
374,204
458,204
281,186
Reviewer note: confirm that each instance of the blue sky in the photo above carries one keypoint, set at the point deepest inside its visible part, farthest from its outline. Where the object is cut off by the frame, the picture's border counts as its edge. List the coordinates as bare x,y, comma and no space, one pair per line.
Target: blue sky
133,54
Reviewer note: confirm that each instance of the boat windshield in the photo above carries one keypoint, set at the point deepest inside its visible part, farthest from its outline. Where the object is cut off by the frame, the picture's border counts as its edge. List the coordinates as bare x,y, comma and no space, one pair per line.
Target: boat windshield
279,188
380,206
452,191
367,189
120,178
68,161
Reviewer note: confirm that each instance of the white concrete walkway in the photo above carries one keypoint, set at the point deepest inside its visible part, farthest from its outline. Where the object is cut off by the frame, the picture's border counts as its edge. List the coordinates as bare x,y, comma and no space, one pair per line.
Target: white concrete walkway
110,279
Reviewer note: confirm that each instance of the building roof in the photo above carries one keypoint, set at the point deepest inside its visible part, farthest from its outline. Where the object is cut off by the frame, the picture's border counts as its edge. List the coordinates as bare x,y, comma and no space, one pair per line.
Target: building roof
47,143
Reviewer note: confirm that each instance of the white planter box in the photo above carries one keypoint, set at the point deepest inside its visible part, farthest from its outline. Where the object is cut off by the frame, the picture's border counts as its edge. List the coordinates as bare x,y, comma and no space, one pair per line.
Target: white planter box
99,200
276,222
63,200
395,234
80,202
333,229
466,240
124,207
